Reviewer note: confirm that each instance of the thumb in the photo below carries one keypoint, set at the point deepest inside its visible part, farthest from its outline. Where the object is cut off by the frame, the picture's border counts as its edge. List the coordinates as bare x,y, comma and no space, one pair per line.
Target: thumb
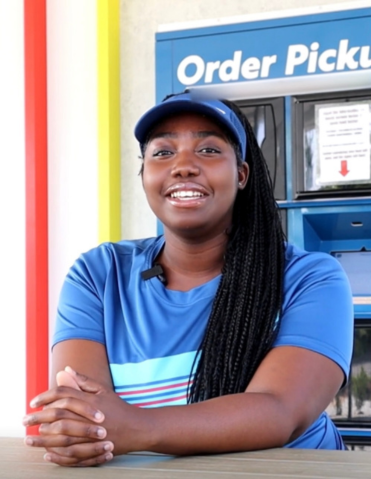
83,382
66,379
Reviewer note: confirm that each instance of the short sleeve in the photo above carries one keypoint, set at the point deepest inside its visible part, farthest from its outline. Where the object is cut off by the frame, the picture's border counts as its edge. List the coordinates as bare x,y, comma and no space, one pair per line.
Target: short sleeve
317,311
80,308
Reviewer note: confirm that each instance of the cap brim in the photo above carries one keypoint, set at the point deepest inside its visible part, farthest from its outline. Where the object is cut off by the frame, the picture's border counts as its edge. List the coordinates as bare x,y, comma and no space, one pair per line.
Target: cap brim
158,113
214,109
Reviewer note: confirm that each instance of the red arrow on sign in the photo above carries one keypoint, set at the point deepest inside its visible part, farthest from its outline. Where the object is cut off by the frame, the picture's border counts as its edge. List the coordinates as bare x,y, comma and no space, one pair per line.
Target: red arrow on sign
344,168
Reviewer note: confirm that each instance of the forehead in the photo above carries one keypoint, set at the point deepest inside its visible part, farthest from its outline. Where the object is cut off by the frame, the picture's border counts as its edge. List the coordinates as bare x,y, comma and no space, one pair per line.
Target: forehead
186,121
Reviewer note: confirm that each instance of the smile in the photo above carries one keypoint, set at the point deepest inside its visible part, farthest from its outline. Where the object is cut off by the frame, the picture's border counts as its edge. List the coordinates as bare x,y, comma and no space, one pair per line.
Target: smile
185,195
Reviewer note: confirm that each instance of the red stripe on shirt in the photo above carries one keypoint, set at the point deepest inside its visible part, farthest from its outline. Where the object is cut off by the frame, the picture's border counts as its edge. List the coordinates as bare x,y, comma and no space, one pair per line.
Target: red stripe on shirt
161,388
160,401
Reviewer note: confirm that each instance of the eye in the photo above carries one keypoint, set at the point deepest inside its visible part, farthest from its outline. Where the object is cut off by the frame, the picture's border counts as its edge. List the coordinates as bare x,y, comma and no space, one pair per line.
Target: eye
209,150
161,152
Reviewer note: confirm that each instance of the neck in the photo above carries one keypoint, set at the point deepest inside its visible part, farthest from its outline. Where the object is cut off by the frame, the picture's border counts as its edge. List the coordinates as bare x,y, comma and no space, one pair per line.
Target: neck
188,264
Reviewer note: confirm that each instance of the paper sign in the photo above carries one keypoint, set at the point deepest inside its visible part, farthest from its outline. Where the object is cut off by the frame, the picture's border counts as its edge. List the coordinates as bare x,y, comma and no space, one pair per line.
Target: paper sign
344,150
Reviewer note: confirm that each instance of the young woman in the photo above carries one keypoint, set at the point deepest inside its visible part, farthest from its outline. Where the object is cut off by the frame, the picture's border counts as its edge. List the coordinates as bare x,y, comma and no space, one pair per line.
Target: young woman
242,339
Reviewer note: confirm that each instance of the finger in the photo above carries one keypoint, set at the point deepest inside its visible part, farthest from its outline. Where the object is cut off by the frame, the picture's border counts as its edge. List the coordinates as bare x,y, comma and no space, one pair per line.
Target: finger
66,408
85,383
66,379
67,462
54,441
41,417
70,395
58,392
86,454
61,404
72,428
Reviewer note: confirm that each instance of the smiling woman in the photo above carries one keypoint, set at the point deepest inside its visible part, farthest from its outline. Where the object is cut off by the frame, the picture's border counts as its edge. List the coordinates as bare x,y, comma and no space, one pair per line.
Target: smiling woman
241,338
191,177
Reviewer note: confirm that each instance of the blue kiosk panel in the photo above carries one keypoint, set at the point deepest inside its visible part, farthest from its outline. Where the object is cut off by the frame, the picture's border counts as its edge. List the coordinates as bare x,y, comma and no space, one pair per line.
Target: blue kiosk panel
282,58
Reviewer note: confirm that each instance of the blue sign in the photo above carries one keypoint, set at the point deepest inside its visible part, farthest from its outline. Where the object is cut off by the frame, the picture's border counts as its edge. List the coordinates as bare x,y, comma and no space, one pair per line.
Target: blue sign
281,48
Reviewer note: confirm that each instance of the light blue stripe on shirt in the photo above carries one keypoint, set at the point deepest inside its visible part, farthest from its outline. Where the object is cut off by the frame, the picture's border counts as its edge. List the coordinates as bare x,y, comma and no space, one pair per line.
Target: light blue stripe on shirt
159,371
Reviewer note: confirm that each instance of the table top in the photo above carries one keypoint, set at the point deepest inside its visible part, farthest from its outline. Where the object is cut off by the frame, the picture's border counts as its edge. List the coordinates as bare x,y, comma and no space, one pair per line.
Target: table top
20,462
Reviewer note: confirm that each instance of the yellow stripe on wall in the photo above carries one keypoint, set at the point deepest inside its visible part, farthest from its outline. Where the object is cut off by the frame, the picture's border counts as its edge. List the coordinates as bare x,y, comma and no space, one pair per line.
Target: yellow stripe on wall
109,171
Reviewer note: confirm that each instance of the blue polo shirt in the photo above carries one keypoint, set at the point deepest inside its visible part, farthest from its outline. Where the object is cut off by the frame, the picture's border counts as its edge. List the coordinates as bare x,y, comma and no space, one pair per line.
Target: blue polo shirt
151,334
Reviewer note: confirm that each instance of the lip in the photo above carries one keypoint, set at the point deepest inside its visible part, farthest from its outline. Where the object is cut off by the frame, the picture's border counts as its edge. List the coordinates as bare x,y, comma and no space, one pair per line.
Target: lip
191,202
188,186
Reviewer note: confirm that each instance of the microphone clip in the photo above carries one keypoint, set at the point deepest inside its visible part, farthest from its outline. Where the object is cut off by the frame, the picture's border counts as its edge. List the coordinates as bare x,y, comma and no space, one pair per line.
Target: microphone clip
155,271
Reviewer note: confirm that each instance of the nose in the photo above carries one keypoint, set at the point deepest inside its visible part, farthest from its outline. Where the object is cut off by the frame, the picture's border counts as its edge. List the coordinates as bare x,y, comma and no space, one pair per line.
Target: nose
185,165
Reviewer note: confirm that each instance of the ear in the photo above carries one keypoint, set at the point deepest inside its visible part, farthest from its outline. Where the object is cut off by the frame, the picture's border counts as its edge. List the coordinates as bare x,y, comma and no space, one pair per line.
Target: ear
243,175
141,169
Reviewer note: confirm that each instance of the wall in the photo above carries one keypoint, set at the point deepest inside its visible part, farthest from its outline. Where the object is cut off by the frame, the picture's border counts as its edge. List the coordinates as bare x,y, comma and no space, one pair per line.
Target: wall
72,173
72,137
140,20
12,214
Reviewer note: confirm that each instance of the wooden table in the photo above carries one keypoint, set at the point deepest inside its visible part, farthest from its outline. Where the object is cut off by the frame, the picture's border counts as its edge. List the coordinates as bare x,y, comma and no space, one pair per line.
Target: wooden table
20,462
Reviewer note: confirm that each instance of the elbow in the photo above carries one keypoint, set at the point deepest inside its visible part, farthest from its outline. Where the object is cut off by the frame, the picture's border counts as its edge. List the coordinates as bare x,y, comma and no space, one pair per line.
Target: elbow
288,427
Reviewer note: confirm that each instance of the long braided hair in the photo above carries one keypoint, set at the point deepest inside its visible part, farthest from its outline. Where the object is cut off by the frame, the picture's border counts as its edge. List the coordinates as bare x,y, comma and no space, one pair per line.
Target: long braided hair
245,315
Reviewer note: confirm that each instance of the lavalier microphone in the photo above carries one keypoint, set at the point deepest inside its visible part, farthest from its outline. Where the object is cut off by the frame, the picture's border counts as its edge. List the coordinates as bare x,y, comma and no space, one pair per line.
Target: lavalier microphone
155,271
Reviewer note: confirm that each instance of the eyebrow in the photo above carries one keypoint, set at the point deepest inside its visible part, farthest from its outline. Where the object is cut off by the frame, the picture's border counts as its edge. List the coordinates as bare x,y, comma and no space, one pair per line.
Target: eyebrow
195,134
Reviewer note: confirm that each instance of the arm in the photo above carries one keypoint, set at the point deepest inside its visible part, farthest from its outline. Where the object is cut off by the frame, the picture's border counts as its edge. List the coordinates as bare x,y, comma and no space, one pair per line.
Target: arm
277,407
87,357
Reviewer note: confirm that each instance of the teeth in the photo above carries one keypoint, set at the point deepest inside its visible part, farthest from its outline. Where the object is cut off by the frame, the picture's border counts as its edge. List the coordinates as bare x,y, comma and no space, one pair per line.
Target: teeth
186,194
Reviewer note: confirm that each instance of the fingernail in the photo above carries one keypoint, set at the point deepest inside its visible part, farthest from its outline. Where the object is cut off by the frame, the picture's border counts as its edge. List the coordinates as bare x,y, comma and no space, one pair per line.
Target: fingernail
101,432
47,457
108,447
33,403
108,456
28,441
98,415
28,420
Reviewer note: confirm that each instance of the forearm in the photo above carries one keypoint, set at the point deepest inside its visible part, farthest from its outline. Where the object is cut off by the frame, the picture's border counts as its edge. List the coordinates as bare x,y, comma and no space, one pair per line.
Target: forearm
237,422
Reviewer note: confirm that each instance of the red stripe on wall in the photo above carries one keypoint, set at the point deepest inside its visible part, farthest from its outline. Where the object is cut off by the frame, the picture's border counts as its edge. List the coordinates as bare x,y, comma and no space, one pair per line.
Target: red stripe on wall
36,200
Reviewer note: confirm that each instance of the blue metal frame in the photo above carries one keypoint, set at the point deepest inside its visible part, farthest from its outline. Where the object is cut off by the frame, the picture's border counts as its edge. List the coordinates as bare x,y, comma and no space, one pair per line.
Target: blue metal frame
254,40
299,20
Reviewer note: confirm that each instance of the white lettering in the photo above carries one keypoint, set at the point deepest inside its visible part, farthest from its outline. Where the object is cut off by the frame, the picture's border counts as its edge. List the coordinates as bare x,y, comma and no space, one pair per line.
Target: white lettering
323,62
193,68
296,55
230,69
210,69
313,57
365,60
346,57
266,65
250,68
184,64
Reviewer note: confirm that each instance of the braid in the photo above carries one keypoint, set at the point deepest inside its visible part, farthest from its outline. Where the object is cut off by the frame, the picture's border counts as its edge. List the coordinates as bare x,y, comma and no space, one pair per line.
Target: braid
245,314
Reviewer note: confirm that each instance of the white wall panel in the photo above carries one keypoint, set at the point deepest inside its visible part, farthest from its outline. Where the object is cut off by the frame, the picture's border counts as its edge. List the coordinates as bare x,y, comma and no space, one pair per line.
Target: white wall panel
12,219
72,137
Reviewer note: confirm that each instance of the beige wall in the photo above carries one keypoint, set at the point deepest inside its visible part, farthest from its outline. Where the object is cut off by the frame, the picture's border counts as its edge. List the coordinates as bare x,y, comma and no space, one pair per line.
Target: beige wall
140,20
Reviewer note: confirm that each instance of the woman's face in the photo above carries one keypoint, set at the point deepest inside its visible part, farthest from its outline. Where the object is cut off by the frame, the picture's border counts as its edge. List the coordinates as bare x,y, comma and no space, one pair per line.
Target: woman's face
191,176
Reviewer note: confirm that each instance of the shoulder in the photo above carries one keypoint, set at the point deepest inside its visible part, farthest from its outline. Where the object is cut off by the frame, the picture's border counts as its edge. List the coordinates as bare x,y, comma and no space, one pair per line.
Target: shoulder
298,259
303,268
106,251
96,263
317,309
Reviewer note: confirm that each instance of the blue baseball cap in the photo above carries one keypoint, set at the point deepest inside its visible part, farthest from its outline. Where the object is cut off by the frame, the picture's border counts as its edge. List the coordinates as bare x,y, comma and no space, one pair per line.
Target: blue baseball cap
185,102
